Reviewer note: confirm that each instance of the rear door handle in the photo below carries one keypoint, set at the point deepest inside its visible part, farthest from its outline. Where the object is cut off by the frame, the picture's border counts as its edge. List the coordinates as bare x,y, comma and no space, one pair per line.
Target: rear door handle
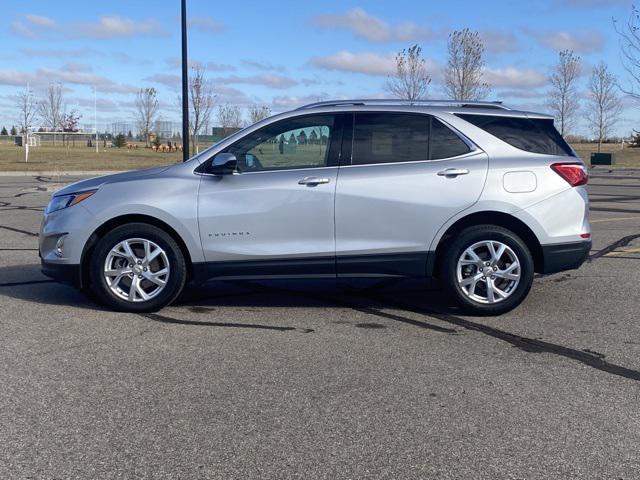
453,172
311,181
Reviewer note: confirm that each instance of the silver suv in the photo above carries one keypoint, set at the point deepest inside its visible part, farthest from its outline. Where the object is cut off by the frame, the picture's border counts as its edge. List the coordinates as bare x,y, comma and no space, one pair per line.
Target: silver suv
477,194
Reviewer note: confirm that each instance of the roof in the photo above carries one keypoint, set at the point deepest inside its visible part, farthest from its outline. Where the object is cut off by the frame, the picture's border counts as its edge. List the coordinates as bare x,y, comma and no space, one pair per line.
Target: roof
450,106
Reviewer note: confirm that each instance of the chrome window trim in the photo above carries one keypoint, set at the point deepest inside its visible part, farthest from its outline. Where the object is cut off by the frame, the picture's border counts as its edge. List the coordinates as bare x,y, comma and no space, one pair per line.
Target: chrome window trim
459,157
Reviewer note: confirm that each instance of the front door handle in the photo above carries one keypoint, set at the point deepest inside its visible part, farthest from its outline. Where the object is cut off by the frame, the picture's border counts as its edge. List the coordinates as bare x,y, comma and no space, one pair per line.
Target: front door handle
311,181
453,172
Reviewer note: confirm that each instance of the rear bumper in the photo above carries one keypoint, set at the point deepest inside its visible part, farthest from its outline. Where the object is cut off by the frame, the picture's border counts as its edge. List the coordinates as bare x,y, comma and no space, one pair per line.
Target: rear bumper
564,256
63,273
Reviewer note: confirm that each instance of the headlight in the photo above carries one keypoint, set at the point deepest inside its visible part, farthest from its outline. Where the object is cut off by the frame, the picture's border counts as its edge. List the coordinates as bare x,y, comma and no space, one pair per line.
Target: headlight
64,201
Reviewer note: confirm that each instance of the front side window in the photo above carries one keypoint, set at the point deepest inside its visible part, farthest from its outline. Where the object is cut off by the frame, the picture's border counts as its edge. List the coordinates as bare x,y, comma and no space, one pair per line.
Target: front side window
301,142
400,137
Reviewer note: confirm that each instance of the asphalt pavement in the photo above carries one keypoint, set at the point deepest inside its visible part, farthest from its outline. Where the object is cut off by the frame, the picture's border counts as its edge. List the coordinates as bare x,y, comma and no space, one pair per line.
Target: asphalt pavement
323,379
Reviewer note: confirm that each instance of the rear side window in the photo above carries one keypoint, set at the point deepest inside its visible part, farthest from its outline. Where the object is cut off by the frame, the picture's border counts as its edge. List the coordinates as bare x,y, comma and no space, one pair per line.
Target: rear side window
396,137
389,138
530,135
444,142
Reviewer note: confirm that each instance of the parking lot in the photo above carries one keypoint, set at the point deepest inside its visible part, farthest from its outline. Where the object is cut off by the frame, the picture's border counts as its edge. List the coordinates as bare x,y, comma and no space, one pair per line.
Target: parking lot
323,379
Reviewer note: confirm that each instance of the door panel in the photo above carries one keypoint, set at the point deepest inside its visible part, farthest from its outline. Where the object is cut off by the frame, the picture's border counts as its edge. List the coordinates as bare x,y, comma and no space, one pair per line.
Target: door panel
267,215
398,208
275,216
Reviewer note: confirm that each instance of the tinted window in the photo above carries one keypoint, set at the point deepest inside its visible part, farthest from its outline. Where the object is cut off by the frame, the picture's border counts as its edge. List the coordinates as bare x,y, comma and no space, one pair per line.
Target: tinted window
388,138
531,135
301,142
445,143
394,137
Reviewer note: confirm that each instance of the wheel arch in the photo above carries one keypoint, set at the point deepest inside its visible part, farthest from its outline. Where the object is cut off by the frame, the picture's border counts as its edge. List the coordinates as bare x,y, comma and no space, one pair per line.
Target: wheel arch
496,218
99,232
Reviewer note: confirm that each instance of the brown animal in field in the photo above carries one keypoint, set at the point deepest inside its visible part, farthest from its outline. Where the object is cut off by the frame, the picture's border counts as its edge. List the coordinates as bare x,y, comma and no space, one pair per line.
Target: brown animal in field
154,148
129,146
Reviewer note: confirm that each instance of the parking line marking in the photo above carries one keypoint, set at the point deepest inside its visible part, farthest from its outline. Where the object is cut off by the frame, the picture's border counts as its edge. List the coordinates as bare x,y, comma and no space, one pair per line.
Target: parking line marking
619,219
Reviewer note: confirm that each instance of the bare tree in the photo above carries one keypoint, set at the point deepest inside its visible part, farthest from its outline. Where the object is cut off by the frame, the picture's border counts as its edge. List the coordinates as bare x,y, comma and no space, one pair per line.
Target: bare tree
27,112
605,105
202,101
258,112
69,124
411,80
229,117
629,39
27,107
563,96
51,108
146,111
463,73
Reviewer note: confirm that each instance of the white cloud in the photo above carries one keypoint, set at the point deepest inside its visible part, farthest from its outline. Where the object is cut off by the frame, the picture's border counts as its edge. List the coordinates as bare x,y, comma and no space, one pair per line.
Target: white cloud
57,53
367,63
267,80
72,74
514,78
373,29
32,26
266,66
583,42
166,79
118,27
499,42
206,24
288,102
176,62
40,20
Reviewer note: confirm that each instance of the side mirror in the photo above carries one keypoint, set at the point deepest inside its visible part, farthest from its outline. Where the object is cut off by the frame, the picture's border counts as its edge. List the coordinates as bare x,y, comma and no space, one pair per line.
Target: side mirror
223,164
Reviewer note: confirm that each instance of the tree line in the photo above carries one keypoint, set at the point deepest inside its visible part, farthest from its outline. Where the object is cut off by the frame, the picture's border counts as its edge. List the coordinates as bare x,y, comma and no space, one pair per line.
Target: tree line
463,80
50,111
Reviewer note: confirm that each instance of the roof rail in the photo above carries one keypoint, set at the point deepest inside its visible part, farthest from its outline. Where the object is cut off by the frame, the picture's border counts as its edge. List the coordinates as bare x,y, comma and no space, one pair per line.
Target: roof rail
386,101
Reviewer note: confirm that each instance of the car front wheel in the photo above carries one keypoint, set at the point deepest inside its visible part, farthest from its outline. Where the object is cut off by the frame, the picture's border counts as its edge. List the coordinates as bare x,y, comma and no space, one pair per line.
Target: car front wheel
137,268
488,270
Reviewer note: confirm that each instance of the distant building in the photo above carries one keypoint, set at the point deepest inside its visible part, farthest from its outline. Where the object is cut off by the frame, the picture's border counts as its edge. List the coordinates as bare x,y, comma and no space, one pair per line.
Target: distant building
167,129
220,132
121,128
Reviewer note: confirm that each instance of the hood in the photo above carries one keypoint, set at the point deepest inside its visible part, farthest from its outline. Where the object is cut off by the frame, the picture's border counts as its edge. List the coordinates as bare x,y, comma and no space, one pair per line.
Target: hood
95,182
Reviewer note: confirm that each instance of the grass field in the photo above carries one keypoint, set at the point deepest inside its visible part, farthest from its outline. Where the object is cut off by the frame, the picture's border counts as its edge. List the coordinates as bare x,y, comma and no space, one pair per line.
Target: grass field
49,158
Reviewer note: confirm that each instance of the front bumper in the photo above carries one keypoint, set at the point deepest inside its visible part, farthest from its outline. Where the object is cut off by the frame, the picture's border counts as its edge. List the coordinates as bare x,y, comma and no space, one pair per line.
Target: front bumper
564,256
63,273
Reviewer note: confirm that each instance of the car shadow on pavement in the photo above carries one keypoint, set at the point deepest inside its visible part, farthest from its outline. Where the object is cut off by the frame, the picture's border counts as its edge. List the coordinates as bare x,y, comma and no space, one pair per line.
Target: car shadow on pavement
26,282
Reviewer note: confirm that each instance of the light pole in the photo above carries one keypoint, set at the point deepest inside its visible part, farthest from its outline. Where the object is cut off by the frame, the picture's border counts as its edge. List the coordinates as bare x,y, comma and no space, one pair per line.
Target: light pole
185,86
95,114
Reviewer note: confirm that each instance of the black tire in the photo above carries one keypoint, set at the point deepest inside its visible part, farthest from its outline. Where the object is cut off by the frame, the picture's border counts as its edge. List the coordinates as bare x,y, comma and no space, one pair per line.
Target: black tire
465,239
177,268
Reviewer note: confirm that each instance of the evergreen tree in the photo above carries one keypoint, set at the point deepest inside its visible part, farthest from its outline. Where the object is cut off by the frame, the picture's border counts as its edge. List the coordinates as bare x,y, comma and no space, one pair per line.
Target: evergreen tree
120,141
635,140
4,131
14,132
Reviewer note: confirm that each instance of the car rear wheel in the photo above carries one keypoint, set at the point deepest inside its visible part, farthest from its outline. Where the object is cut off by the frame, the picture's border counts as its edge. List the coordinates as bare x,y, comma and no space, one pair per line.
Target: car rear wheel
488,270
137,268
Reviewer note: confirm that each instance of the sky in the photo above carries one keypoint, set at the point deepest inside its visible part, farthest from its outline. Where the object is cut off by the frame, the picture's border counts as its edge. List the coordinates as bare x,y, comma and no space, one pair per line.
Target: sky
284,54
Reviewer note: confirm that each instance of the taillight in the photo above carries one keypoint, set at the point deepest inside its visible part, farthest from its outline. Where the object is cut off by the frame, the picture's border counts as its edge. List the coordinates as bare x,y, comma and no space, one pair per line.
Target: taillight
574,173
